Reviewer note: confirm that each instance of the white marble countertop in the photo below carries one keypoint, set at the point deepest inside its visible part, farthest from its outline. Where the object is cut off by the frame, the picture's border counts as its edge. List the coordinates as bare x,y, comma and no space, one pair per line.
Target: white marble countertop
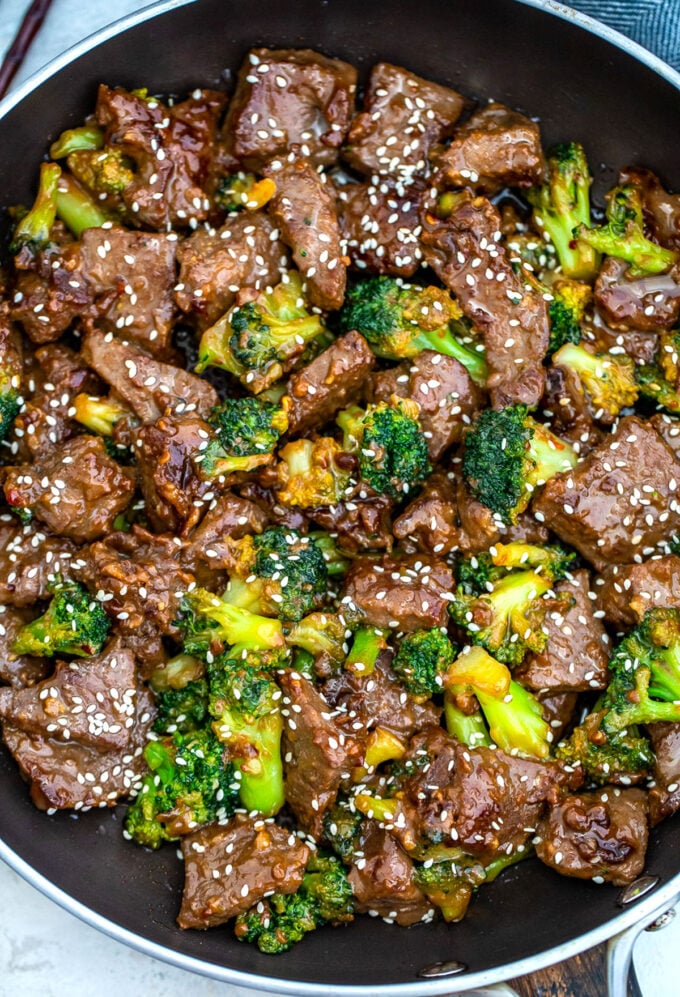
46,952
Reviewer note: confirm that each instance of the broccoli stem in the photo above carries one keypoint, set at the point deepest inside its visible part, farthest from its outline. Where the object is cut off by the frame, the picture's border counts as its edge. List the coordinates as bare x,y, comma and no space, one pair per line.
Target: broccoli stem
478,670
378,809
549,454
261,785
367,645
516,722
469,729
77,139
98,414
34,228
382,746
76,208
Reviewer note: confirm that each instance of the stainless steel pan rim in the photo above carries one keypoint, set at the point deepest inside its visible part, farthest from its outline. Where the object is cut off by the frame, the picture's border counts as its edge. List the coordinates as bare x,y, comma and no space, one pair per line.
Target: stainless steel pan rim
639,913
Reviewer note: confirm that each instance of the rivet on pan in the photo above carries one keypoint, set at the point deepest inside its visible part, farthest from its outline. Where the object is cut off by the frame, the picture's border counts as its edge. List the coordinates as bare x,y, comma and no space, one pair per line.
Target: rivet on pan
640,888
663,921
437,969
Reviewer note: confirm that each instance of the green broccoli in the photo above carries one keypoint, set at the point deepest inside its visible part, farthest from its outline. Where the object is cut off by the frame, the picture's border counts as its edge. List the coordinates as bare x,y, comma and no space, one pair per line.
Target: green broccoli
421,660
468,728
247,432
102,172
189,784
625,757
323,635
324,897
563,204
76,208
74,623
660,380
366,647
33,231
507,454
208,623
476,574
243,190
516,721
623,234
608,380
400,320
256,341
341,825
566,311
450,882
99,415
310,473
336,562
389,444
550,560
76,139
10,400
182,710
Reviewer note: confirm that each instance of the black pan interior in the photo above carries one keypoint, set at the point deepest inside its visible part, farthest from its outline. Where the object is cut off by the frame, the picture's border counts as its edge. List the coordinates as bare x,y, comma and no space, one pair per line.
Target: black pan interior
580,87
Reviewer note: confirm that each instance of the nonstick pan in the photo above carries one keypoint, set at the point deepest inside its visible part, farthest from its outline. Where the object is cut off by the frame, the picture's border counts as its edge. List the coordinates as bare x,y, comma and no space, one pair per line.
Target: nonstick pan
583,82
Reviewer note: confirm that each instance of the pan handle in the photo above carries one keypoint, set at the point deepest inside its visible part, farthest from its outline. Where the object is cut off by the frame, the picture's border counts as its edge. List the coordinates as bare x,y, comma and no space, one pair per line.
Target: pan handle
620,948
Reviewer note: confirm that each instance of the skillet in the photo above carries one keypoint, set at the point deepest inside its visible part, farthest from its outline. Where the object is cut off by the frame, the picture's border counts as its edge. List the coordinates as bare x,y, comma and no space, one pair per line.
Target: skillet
584,82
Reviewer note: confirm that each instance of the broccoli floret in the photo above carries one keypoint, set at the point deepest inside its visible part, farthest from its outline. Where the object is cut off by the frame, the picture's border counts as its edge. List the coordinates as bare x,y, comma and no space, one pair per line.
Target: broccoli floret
625,757
74,623
184,709
336,562
566,311
421,660
107,171
99,414
33,231
562,205
400,320
507,454
608,380
551,560
341,830
449,883
10,402
279,572
246,704
208,623
247,432
476,574
323,635
659,380
189,784
243,190
310,475
255,341
367,644
623,235
76,139
324,896
389,444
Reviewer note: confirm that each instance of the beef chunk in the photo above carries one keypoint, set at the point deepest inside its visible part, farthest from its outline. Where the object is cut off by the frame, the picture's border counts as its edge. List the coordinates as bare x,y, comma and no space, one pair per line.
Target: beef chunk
331,382
403,116
230,517
283,515
70,775
664,795
661,209
626,591
558,711
359,524
215,265
170,479
619,503
495,148
408,594
378,700
17,670
382,880
172,149
304,211
445,392
464,252
668,429
50,291
77,490
648,303
286,98
576,655
228,868
597,835
317,755
29,560
566,406
146,385
91,701
380,224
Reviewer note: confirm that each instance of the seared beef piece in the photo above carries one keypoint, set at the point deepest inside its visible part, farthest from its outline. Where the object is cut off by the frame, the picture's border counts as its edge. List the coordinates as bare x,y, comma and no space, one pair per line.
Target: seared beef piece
230,517
140,576
430,520
170,479
331,382
382,878
304,211
361,524
558,711
131,276
283,515
445,392
641,346
214,265
512,317
409,594
29,560
50,291
146,385
228,868
601,834
648,303
377,700
286,98
576,655
626,591
69,775
91,700
380,224
17,670
619,503
77,490
668,429
45,421
172,149
661,209
485,801
317,754
566,406
403,116
495,148
664,795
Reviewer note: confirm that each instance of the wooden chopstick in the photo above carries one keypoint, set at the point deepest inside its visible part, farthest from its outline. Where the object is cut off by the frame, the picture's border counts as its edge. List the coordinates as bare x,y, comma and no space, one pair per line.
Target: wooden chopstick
16,53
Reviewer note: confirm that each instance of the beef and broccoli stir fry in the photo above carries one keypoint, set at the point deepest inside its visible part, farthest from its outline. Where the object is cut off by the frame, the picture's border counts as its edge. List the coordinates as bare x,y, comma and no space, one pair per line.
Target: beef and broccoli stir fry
341,465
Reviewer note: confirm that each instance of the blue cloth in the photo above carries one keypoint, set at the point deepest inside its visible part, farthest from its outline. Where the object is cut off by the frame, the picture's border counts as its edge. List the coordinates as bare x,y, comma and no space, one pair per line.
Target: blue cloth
653,23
